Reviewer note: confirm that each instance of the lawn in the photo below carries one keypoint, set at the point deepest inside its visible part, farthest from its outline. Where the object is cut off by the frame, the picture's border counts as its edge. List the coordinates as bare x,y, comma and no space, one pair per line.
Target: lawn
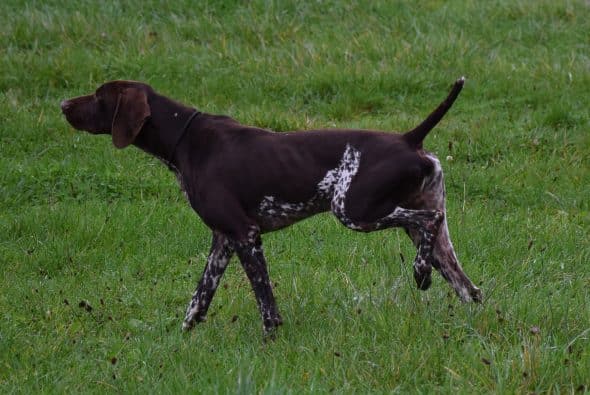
100,252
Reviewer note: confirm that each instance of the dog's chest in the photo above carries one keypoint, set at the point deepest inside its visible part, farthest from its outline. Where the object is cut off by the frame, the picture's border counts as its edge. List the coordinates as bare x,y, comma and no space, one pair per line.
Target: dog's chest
179,177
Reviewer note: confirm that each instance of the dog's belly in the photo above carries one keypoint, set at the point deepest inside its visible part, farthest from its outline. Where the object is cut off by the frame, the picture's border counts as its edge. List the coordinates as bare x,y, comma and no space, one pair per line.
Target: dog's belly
274,214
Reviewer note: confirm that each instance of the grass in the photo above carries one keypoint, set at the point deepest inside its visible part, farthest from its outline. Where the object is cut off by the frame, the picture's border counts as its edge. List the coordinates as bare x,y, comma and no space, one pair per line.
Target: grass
100,252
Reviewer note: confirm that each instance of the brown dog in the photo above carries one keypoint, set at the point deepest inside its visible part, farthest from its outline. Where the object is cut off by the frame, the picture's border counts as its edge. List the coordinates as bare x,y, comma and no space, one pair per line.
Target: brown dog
244,181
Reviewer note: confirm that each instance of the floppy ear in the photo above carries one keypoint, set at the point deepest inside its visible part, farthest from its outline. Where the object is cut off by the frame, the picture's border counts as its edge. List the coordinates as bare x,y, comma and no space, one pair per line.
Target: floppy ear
130,115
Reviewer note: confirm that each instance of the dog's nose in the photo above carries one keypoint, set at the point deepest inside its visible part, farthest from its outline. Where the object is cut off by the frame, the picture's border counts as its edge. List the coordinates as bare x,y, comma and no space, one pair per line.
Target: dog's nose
64,105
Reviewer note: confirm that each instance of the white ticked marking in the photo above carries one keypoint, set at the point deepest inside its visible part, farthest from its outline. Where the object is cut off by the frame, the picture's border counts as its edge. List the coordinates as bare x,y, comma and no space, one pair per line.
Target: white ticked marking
331,189
348,168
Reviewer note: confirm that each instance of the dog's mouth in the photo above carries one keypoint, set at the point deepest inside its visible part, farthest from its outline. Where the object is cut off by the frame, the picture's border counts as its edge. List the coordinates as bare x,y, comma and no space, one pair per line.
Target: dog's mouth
67,107
70,115
79,120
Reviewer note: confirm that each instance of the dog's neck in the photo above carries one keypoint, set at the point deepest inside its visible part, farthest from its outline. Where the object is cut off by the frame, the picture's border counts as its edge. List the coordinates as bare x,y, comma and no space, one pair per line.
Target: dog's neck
163,130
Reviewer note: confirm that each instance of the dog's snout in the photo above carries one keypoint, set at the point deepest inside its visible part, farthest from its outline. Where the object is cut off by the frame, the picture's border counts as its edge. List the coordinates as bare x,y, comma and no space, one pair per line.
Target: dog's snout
65,104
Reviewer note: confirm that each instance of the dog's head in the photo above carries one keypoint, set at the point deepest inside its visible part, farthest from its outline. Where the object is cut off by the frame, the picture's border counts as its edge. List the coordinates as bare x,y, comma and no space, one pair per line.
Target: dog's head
118,108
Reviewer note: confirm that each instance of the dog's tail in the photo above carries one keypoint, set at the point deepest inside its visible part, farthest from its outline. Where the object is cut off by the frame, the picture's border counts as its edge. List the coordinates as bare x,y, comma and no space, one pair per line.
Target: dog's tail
415,136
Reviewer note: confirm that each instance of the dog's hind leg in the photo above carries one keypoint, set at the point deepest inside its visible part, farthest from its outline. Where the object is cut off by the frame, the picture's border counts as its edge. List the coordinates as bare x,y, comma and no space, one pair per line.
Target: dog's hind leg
446,262
424,222
219,256
422,269
432,197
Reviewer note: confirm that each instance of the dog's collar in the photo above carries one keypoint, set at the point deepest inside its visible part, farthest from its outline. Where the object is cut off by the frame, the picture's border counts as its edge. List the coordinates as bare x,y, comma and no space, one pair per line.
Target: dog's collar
182,133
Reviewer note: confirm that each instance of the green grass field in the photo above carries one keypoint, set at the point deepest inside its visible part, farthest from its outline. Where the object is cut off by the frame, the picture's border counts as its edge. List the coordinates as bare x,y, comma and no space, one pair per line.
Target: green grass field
99,251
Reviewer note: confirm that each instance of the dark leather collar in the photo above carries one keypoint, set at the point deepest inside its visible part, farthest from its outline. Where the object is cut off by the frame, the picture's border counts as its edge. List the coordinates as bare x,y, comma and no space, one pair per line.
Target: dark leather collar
182,133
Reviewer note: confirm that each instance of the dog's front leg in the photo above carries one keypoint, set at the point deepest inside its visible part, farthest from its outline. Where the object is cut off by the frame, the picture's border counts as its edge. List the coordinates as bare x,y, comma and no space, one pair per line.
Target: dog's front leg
252,259
219,256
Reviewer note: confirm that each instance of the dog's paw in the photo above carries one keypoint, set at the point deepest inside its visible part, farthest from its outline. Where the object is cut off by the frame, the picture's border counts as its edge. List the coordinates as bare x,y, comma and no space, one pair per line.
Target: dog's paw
476,295
270,327
187,326
470,293
189,323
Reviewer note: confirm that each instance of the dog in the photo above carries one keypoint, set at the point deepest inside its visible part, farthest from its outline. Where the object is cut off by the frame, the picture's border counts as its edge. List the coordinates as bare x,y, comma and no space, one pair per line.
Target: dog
244,181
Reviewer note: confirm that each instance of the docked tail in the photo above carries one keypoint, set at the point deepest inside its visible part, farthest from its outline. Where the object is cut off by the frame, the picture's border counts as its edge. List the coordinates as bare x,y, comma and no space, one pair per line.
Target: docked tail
415,136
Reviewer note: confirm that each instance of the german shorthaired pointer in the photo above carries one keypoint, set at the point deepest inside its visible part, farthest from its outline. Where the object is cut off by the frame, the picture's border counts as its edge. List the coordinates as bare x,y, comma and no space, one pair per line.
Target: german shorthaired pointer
244,181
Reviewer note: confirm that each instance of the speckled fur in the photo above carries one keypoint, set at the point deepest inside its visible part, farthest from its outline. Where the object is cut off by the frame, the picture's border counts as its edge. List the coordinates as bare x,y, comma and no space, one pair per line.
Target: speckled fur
219,256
